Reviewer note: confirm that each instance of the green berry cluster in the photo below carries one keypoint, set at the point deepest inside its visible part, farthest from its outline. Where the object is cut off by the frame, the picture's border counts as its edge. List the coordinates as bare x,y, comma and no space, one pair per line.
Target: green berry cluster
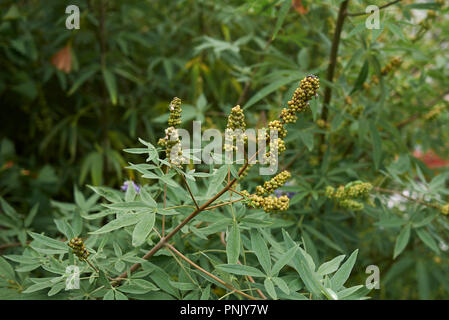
322,124
172,146
175,110
395,62
274,183
246,171
351,204
271,203
268,204
171,141
434,112
445,209
347,196
236,119
308,88
78,248
235,129
277,125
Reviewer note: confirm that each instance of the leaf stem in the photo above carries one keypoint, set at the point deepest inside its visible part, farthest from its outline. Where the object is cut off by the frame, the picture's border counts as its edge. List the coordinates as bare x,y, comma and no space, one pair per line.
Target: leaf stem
193,264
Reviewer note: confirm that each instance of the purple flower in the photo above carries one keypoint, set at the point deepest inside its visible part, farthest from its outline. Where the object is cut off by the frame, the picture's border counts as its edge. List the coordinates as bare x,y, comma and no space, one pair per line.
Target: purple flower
278,193
125,185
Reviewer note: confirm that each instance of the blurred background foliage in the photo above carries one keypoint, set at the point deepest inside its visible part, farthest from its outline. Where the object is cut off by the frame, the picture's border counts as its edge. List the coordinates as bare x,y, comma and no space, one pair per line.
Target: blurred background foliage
72,100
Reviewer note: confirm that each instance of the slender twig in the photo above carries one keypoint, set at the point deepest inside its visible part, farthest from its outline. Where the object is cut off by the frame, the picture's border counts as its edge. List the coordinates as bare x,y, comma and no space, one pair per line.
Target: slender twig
193,264
224,204
380,8
332,64
165,200
239,193
416,115
431,205
91,265
333,56
10,245
190,192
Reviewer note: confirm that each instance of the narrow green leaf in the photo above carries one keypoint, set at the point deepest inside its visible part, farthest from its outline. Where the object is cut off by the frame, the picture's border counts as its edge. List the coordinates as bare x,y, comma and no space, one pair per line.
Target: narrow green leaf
283,260
83,78
428,240
270,88
147,198
30,217
281,17
143,229
401,240
49,242
340,277
361,77
6,270
269,286
240,270
330,266
123,221
233,244
377,144
111,85
281,284
261,250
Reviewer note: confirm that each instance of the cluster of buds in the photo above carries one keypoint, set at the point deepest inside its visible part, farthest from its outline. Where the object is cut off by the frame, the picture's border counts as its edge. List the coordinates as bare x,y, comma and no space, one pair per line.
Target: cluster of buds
434,112
78,248
274,183
348,100
346,196
235,129
277,125
321,123
236,119
172,144
445,209
171,141
351,204
308,88
175,110
246,171
271,203
268,204
357,111
395,62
